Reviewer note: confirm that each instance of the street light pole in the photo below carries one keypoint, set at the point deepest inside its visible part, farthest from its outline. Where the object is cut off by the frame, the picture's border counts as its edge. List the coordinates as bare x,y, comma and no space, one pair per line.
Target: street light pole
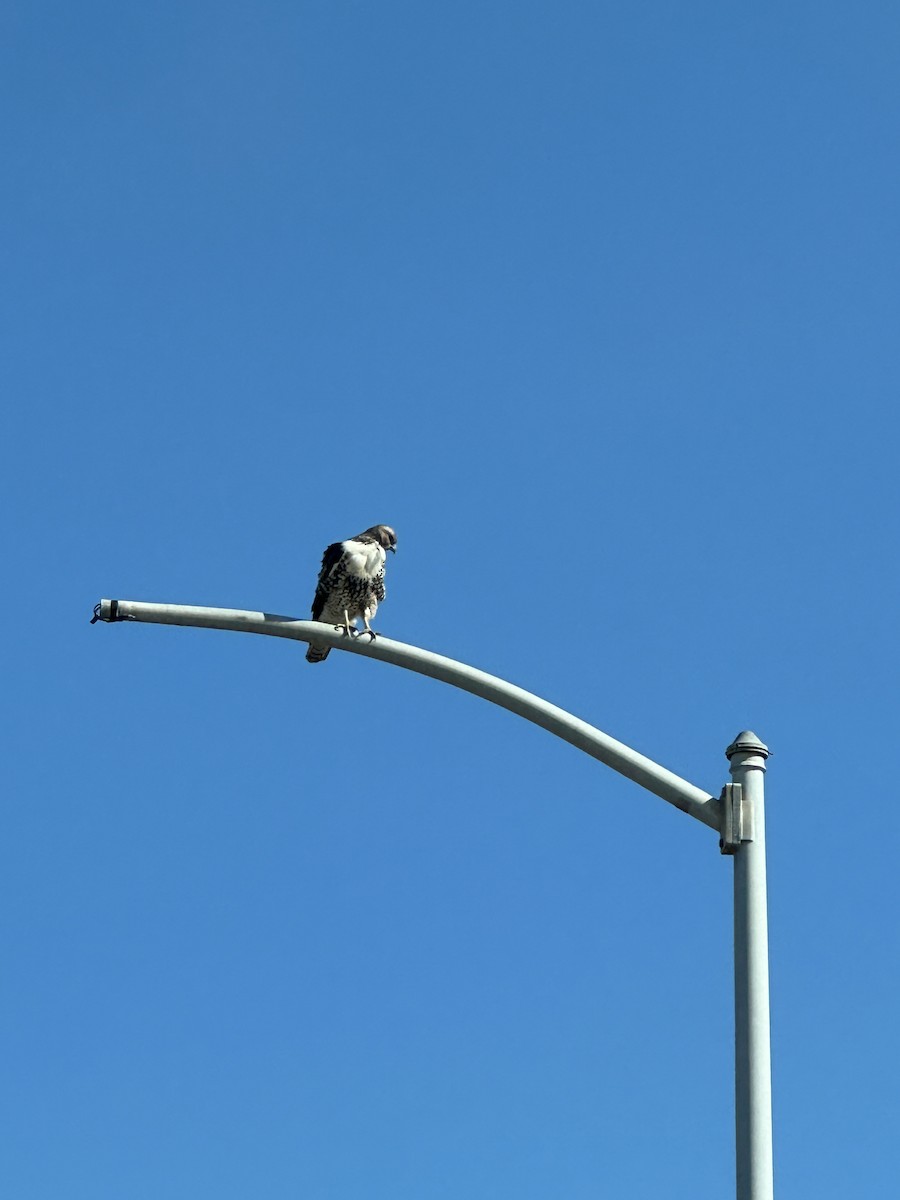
752,1053
738,816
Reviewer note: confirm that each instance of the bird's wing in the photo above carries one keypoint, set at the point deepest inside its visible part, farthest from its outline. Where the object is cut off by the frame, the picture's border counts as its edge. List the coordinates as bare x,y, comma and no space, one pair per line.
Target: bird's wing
330,559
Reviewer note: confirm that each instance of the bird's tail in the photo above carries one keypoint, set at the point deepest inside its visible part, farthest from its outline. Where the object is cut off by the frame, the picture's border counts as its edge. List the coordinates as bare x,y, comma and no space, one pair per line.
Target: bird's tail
317,653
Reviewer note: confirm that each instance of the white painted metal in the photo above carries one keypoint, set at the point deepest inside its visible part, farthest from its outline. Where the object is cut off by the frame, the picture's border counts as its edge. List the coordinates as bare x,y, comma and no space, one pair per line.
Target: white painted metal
621,758
752,1050
745,836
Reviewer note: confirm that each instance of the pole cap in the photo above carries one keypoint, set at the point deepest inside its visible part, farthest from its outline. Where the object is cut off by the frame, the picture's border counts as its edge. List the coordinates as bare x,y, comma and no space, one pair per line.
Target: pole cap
747,743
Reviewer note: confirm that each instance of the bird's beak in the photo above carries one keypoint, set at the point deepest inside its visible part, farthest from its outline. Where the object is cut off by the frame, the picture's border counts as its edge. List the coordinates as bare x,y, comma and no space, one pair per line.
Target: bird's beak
393,549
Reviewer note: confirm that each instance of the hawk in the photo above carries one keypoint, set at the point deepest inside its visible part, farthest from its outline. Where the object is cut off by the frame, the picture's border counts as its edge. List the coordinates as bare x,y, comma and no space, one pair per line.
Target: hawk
351,583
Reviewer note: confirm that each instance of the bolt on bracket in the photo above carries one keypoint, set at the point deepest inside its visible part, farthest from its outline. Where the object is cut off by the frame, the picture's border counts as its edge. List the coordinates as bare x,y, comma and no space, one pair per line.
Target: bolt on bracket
737,819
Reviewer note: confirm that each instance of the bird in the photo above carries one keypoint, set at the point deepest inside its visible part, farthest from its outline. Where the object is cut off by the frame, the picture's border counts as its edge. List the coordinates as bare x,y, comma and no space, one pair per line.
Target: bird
351,584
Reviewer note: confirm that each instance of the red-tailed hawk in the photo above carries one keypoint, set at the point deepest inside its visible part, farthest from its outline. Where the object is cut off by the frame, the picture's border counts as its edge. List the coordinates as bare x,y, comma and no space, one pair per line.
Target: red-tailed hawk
351,583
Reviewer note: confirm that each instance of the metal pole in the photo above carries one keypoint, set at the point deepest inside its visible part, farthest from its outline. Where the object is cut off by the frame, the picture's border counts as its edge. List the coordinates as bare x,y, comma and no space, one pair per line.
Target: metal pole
644,771
739,817
752,1053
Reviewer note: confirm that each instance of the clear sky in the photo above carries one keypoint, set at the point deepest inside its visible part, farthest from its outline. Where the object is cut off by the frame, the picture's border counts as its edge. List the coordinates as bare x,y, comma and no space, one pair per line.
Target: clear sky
597,305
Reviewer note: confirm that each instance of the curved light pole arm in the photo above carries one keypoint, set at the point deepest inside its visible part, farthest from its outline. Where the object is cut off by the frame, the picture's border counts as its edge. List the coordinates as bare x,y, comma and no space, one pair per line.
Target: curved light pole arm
621,758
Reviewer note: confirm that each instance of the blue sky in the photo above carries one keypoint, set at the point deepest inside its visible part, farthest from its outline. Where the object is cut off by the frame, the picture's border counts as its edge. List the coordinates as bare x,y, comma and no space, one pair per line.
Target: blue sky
597,305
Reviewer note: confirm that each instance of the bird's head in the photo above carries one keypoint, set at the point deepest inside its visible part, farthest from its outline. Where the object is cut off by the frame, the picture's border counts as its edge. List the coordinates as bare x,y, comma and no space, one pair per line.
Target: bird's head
384,535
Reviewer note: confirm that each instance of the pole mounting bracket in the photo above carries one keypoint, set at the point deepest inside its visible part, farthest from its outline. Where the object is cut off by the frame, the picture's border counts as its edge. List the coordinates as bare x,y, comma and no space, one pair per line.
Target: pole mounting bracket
737,819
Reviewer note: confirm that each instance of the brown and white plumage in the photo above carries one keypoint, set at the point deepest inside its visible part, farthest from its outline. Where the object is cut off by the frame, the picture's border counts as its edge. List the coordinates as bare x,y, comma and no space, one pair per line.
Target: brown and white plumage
351,583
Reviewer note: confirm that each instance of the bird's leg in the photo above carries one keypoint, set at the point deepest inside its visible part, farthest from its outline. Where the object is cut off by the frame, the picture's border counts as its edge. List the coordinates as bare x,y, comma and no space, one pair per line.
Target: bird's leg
346,625
368,628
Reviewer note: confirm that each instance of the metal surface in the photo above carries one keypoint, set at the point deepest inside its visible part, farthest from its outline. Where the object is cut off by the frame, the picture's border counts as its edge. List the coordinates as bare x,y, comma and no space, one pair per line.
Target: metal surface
739,817
619,757
752,1051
